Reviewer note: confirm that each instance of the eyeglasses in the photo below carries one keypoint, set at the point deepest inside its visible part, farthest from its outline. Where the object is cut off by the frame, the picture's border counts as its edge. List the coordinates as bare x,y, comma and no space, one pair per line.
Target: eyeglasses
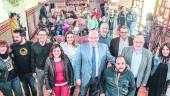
123,32
105,28
70,37
42,35
93,37
141,42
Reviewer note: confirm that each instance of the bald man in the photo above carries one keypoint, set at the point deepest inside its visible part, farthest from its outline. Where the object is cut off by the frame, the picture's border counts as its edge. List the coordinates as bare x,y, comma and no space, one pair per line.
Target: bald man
139,60
120,73
90,63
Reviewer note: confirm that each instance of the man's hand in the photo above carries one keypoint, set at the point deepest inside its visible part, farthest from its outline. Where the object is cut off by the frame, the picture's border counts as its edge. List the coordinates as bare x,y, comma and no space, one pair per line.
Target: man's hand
109,65
78,82
34,75
143,85
102,94
142,90
168,91
128,67
49,91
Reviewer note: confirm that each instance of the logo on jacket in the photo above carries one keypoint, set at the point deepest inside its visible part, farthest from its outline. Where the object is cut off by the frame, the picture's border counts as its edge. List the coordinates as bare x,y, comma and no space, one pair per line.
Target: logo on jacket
23,51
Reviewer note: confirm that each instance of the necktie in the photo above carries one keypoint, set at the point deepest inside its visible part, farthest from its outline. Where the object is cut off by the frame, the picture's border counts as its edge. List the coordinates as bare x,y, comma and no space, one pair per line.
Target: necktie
93,62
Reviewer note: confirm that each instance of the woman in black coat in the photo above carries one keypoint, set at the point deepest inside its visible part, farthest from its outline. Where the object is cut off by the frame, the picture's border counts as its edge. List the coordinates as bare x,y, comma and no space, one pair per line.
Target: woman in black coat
58,72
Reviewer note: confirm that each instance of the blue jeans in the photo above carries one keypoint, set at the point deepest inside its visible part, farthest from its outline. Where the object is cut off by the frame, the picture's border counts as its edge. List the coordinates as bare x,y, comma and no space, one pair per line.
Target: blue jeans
15,85
6,89
131,26
28,81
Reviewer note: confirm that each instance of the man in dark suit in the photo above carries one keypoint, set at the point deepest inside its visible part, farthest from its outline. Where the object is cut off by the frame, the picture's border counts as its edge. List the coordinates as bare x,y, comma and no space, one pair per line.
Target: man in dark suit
117,44
90,63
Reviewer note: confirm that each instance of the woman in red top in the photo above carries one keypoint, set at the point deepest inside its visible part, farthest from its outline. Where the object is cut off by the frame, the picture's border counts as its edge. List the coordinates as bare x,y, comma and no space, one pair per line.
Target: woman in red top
96,13
58,72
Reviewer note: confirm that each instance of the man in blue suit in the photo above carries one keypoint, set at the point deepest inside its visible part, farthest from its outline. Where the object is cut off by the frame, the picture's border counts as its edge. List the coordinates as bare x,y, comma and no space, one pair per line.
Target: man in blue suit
90,63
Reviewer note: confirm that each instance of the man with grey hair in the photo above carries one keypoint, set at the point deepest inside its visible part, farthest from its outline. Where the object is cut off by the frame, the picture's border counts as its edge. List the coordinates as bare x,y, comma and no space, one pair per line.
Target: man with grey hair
104,36
90,63
139,60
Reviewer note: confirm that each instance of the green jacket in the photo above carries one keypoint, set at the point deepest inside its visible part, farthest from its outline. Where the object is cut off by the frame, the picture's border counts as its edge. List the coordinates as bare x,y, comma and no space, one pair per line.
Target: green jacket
118,84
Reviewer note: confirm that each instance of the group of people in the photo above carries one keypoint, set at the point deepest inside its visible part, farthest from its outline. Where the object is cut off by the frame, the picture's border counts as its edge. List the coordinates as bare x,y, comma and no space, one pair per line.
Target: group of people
92,65
103,66
79,18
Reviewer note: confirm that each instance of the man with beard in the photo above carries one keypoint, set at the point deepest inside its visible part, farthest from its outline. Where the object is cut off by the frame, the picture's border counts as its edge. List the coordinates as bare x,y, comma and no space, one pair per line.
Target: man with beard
21,50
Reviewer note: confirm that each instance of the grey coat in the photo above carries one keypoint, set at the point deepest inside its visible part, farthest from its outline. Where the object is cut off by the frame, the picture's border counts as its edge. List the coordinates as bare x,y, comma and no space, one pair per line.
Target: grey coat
145,66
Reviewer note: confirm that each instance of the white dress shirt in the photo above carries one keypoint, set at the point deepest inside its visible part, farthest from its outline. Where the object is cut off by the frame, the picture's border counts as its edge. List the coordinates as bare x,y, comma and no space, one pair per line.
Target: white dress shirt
123,44
97,58
135,64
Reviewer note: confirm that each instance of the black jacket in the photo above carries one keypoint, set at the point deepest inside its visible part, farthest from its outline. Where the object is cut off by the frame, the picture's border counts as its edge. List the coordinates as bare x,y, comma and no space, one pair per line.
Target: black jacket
3,71
114,45
50,74
39,54
43,12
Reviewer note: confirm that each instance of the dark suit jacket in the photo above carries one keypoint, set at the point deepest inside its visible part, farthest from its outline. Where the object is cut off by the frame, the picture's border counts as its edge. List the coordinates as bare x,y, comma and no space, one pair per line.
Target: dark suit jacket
114,45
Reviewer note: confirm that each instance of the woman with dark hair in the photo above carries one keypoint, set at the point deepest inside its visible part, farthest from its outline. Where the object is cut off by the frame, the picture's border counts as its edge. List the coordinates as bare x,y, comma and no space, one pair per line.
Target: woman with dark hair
76,28
160,73
8,76
92,23
69,45
43,24
59,23
70,49
58,72
85,32
96,13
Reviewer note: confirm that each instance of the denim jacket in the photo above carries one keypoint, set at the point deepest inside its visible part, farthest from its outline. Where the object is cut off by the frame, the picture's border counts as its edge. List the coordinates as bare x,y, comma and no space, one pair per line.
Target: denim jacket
117,84
3,71
156,62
